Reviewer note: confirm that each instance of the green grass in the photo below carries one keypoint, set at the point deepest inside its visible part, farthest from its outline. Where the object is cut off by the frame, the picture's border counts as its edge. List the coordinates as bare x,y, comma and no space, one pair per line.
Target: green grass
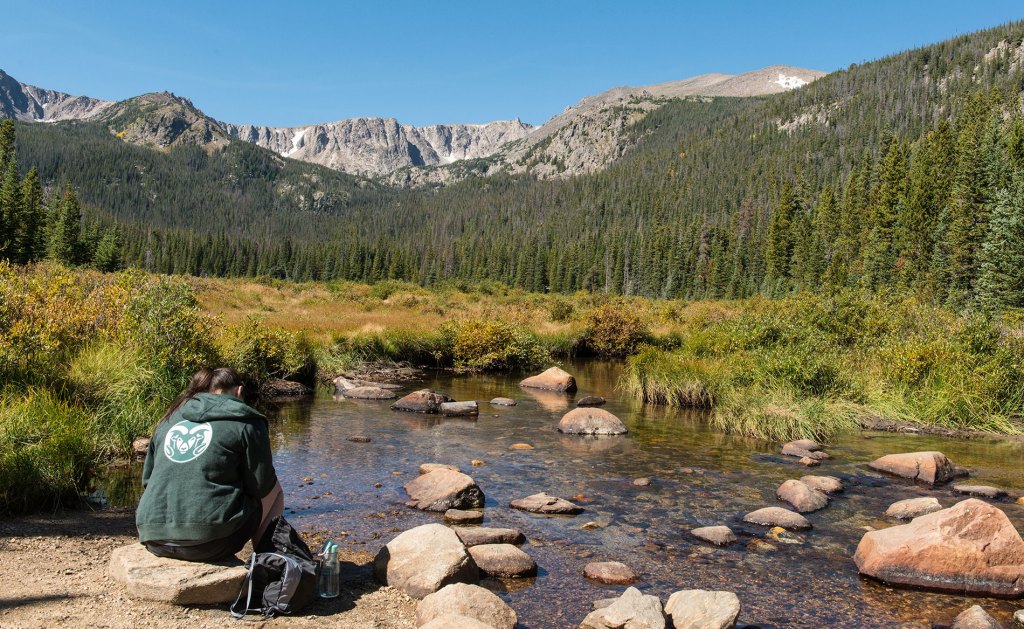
672,379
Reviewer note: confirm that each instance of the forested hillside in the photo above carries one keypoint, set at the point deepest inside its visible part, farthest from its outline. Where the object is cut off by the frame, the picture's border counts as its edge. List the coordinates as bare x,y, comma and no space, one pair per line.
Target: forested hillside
903,173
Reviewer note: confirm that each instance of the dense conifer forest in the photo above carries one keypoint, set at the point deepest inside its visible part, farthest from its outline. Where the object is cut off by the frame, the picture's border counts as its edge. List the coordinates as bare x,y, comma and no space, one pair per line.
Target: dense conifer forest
906,173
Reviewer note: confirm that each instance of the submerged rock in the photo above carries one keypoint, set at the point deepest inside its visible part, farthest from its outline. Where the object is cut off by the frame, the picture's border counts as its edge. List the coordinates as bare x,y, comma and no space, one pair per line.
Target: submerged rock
703,609
791,449
478,535
465,601
426,468
718,535
441,490
982,491
368,393
971,547
503,560
809,462
931,468
591,400
803,498
422,401
545,504
591,421
975,618
633,610
777,516
554,379
913,507
610,572
423,560
503,401
153,578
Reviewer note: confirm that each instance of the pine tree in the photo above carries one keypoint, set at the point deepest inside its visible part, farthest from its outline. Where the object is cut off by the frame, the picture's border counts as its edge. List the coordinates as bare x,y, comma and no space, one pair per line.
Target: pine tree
108,251
1001,282
11,227
780,241
65,225
33,217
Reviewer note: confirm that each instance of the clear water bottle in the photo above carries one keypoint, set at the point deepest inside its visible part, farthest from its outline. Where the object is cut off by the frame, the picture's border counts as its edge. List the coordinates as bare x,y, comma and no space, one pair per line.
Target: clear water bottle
329,571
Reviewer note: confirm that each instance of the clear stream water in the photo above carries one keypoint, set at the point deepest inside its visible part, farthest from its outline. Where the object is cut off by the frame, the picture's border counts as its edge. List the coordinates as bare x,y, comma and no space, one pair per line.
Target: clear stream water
699,478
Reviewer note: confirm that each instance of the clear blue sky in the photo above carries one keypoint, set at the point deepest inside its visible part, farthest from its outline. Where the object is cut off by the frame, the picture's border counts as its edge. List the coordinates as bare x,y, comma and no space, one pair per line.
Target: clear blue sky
290,63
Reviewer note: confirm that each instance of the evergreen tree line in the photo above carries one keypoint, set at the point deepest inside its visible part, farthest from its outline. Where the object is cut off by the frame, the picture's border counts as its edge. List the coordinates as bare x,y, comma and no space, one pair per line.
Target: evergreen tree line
35,226
900,174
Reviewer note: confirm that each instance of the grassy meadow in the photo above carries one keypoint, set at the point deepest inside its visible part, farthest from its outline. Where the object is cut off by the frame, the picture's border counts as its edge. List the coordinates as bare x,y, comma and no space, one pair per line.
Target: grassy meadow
89,360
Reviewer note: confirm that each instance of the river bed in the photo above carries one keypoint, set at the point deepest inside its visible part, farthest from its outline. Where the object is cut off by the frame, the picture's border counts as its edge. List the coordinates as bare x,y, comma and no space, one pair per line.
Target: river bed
699,478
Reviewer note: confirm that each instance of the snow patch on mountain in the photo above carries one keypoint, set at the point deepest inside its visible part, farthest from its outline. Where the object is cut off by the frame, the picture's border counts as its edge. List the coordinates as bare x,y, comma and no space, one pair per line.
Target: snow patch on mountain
790,82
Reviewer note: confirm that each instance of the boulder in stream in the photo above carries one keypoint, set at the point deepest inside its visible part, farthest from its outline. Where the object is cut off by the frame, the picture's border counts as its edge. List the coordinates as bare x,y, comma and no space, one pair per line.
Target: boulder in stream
633,609
503,561
913,507
547,505
610,573
971,547
824,484
426,468
422,401
553,379
981,491
591,421
423,560
799,449
463,516
803,497
591,400
469,601
503,401
703,609
442,489
777,516
368,393
931,468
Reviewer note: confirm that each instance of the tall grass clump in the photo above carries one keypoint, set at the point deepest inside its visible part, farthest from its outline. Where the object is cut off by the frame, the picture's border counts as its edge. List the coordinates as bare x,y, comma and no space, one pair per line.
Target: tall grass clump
660,377
778,416
491,345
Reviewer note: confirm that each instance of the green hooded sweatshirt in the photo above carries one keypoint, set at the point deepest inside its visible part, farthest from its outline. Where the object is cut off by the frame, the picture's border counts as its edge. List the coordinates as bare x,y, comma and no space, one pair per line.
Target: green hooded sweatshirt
207,468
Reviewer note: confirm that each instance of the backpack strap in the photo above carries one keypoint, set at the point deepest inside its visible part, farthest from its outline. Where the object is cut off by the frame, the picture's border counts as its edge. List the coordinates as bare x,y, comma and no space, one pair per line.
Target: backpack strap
247,591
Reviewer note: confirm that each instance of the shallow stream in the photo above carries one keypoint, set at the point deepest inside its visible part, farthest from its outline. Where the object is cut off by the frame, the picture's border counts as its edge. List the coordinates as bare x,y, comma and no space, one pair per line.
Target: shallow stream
699,478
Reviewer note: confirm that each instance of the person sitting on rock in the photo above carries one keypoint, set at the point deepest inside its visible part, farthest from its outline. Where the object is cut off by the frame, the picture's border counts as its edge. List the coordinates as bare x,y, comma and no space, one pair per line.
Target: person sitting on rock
209,483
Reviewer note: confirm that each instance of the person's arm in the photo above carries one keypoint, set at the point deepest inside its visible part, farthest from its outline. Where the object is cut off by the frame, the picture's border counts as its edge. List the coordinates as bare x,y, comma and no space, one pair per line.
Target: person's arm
147,467
258,475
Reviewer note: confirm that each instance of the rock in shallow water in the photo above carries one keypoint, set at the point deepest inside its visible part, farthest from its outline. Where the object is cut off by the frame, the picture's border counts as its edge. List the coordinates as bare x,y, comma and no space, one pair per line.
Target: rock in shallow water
460,409
368,393
975,618
465,601
982,491
610,572
444,489
803,498
477,535
503,401
463,516
423,560
777,516
790,449
824,484
503,560
931,468
153,578
554,379
427,468
633,609
702,609
718,535
591,400
913,507
545,504
591,421
422,401
970,547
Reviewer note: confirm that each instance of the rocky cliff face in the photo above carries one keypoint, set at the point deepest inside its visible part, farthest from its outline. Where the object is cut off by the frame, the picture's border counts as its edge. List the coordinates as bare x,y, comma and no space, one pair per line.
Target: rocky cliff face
30,103
162,120
378,146
591,134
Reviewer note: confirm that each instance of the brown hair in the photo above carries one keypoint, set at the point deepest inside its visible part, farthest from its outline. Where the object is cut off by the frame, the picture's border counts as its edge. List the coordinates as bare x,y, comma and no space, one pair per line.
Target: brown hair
206,380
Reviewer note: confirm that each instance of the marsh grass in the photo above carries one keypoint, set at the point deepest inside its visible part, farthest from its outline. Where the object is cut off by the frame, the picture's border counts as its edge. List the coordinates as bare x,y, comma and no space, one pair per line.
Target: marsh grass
660,377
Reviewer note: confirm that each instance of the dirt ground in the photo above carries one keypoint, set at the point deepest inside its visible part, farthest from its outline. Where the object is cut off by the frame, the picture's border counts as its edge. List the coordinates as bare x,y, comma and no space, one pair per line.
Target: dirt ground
53,573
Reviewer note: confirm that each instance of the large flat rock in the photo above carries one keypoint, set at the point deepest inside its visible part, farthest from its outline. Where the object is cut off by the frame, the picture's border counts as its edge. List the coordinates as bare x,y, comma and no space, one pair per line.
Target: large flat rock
154,578
444,489
931,468
553,379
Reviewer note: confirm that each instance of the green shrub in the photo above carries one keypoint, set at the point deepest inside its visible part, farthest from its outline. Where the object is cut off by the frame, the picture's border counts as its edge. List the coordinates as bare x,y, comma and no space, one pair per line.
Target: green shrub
47,450
561,310
660,377
491,345
614,329
259,353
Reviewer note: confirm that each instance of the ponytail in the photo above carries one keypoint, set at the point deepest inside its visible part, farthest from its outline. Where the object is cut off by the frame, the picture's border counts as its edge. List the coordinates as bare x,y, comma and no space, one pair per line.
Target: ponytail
204,381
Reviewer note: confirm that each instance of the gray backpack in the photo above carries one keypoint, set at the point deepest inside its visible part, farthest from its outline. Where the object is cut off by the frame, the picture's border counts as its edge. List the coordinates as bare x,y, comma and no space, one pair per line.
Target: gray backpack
282,574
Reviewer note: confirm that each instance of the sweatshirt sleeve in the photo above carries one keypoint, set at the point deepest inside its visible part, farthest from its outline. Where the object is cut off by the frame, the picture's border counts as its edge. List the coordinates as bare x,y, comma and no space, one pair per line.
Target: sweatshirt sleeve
259,476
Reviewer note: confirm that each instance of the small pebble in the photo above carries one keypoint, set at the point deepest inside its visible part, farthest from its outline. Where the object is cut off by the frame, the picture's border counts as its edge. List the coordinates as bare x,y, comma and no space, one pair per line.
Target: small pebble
477,463
642,482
